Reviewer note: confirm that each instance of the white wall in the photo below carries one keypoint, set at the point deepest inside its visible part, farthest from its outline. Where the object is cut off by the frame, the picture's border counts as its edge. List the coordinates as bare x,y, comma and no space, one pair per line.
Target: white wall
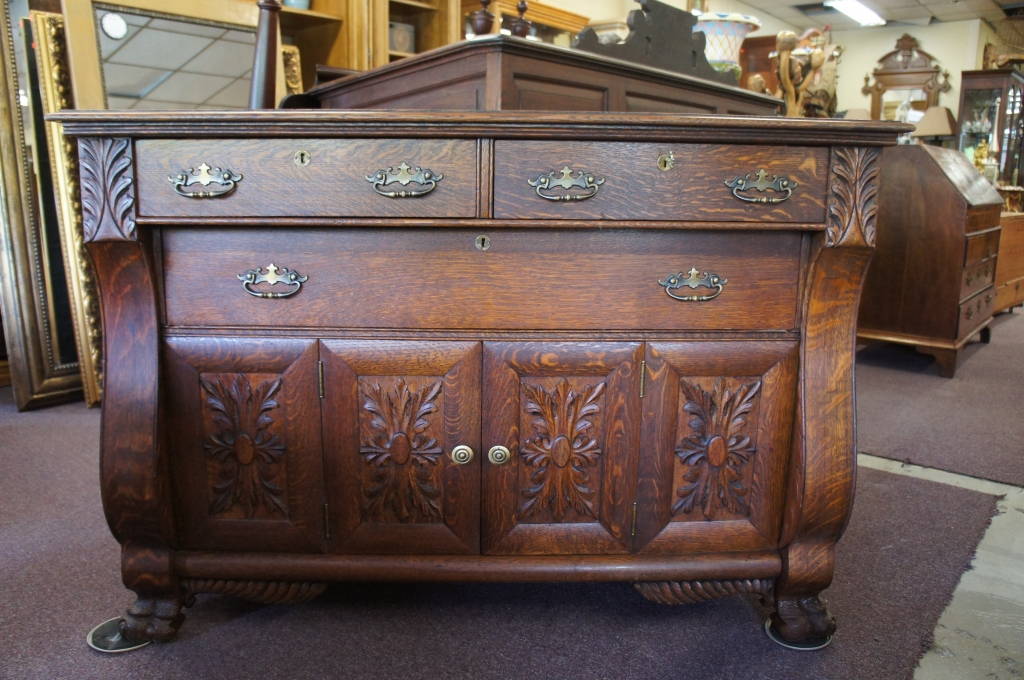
617,10
957,45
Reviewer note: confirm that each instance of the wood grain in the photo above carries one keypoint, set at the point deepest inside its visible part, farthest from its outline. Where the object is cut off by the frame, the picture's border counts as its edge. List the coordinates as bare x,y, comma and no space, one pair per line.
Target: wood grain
1009,278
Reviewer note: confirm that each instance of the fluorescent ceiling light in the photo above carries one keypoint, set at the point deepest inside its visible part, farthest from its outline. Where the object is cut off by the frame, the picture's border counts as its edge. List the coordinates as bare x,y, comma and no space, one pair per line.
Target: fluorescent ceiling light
865,16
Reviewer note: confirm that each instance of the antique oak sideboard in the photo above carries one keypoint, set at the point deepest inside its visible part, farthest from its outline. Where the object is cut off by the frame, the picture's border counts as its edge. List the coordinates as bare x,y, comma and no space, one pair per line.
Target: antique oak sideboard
478,347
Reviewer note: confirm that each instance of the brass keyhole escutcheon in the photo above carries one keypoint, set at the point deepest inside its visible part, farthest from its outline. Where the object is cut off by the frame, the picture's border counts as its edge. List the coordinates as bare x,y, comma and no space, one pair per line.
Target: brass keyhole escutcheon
666,161
302,158
499,455
483,243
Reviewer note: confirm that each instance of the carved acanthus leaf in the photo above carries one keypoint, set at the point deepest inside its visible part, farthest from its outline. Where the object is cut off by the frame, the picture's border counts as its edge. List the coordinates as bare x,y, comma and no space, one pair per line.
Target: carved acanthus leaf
853,197
108,192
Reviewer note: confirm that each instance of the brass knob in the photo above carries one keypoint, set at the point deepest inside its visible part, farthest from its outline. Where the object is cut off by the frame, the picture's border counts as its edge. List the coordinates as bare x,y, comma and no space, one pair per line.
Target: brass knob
499,455
461,454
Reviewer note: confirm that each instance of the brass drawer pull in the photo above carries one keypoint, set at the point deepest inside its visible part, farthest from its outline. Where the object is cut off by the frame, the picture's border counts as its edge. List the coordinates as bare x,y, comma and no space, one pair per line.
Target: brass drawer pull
758,181
273,275
405,175
216,182
693,279
461,454
564,179
499,455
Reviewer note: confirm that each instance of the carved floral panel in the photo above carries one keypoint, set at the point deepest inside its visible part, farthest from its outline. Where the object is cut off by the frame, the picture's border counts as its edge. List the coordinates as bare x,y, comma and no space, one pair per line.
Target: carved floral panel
401,446
560,451
245,454
715,448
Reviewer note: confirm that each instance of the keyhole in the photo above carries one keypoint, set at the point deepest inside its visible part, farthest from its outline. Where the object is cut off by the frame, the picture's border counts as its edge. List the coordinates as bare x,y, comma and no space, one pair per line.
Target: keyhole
483,242
302,158
666,161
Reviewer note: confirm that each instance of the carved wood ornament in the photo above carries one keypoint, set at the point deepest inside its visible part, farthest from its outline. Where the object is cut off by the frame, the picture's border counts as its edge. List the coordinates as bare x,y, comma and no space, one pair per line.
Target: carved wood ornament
717,450
561,451
108,193
402,455
853,197
246,453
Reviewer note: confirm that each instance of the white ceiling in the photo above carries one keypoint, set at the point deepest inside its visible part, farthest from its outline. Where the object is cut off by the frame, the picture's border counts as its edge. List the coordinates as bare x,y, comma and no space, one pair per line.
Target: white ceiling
811,13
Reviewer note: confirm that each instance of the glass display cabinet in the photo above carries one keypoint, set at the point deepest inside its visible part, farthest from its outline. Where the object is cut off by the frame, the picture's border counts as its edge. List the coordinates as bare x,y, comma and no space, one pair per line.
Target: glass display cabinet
991,127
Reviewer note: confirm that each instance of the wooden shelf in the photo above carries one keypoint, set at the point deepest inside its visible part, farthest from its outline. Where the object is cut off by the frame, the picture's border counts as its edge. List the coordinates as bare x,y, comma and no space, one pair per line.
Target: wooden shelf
419,4
396,54
293,18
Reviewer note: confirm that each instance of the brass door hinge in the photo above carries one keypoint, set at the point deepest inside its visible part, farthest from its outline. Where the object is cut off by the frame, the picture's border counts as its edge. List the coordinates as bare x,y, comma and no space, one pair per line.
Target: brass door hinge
632,531
320,378
327,523
643,377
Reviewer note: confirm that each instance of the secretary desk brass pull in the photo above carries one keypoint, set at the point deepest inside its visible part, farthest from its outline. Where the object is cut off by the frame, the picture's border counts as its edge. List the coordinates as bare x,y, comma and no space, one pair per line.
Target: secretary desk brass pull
216,182
780,185
694,280
273,275
565,179
405,175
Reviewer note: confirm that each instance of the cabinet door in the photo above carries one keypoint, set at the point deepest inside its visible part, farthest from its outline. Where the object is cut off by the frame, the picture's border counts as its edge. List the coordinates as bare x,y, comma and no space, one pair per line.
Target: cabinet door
569,415
717,429
244,443
394,411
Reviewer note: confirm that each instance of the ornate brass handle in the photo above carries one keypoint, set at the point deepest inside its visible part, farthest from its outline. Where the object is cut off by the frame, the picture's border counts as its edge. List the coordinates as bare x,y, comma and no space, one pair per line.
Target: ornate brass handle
694,280
461,454
781,185
405,175
586,181
216,182
499,455
273,275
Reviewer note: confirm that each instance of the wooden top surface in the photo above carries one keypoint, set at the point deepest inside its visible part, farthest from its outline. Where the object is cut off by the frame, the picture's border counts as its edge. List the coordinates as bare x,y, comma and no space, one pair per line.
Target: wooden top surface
537,50
975,189
668,127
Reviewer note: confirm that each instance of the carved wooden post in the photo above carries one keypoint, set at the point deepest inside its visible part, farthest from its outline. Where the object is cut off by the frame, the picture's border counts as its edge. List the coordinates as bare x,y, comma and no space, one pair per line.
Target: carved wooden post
824,466
264,64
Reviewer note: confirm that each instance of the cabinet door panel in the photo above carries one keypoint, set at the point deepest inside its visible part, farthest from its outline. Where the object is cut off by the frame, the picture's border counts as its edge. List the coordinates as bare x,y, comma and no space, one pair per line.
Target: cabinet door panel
716,437
393,412
244,443
569,414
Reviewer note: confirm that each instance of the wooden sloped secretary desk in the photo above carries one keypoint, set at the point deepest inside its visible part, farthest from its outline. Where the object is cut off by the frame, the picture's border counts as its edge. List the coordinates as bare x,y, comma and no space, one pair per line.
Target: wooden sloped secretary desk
478,346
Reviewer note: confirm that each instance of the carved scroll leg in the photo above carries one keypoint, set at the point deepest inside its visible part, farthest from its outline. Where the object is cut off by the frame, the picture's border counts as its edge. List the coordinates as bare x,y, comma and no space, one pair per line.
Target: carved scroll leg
153,619
156,614
800,619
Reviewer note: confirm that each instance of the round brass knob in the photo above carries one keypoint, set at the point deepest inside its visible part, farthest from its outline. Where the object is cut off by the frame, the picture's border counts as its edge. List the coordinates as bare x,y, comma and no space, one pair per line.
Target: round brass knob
461,454
499,455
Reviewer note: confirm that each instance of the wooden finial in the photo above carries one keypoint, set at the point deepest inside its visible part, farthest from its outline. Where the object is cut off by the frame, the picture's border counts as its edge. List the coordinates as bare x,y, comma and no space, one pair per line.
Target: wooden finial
263,89
481,20
521,27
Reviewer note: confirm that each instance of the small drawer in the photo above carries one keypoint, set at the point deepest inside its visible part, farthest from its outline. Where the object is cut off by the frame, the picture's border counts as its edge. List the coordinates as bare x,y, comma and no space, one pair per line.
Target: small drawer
976,311
528,279
981,247
307,178
977,277
636,181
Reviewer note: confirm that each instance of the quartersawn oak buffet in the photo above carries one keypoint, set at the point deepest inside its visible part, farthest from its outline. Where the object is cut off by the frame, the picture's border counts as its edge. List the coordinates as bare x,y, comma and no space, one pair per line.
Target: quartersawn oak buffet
478,347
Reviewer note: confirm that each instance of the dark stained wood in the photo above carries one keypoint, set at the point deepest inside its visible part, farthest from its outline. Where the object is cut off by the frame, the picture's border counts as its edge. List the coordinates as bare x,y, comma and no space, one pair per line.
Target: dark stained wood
568,413
636,189
937,245
364,278
264,67
556,340
273,184
716,439
245,440
393,412
1009,276
501,73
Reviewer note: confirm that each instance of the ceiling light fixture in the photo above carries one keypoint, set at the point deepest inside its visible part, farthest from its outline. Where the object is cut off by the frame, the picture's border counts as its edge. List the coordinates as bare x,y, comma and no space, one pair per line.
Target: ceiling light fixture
865,16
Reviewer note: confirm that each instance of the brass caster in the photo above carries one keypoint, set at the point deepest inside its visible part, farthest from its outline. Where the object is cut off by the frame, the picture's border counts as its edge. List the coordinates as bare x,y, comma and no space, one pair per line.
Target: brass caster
811,646
107,638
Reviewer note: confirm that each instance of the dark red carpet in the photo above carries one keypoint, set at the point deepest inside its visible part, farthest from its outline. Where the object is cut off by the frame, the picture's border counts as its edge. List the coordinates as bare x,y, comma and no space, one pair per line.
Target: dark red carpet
972,424
903,554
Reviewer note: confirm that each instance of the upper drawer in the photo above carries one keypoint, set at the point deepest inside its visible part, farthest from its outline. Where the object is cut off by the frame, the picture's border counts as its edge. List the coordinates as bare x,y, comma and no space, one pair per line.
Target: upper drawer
609,279
307,177
632,181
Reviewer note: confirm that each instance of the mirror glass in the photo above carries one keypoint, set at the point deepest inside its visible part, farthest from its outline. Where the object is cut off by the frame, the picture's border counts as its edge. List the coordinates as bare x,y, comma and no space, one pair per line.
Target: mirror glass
153,61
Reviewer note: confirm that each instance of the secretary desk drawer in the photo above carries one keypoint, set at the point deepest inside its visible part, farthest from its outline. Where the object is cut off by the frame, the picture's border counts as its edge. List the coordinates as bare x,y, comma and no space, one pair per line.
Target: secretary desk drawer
441,278
306,178
640,181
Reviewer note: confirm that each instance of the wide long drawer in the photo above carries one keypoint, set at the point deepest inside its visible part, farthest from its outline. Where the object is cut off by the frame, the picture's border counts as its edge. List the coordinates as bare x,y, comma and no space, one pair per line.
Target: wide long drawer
307,178
640,181
463,279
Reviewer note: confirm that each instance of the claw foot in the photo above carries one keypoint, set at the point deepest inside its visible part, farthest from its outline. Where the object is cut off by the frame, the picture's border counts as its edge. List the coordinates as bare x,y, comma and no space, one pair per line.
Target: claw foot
802,623
152,619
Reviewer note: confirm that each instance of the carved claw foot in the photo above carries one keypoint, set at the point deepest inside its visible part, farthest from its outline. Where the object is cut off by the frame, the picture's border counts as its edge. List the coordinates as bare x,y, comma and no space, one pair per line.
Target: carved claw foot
152,619
801,623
